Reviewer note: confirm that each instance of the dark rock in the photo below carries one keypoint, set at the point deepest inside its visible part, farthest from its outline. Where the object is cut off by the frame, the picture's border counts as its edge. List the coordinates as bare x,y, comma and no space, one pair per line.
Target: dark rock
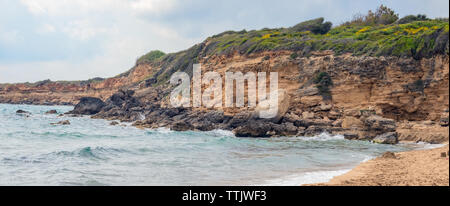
239,120
180,126
444,122
389,155
388,138
443,154
22,112
65,122
202,125
51,112
315,130
351,136
88,106
285,129
254,129
113,123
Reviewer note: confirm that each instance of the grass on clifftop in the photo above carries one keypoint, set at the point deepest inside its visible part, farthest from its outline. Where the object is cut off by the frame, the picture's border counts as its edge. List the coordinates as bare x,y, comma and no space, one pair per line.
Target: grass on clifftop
416,39
379,33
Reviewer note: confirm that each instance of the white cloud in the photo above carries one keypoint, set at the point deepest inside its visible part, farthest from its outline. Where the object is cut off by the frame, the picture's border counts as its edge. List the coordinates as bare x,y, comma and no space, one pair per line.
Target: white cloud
76,7
46,28
153,6
84,30
10,37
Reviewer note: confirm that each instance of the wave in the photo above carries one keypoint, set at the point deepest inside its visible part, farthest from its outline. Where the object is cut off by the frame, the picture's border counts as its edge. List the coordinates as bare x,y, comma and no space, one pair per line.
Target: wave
323,137
92,153
221,133
305,178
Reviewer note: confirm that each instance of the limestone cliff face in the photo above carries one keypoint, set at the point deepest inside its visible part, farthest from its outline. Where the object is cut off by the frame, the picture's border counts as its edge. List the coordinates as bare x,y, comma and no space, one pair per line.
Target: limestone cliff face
360,97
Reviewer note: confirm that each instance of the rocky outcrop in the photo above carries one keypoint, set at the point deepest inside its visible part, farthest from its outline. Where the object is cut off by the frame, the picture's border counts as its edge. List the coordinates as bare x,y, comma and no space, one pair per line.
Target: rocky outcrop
51,112
388,138
65,122
88,106
359,97
22,112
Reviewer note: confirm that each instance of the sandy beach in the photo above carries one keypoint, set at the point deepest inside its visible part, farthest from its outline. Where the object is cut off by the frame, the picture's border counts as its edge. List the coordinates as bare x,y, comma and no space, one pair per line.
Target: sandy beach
413,168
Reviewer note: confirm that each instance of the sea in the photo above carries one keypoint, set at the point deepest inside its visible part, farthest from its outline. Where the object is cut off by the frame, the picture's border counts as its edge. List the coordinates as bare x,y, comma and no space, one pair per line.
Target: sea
91,152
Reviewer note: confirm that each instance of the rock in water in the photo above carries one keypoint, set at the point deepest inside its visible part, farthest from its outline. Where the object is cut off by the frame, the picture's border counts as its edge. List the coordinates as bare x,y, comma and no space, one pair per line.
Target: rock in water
52,112
113,123
388,138
88,106
65,122
22,112
254,129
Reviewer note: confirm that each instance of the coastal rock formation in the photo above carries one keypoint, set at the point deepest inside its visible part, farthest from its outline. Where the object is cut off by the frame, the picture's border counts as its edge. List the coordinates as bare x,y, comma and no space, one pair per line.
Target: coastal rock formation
329,84
51,112
388,138
22,112
88,106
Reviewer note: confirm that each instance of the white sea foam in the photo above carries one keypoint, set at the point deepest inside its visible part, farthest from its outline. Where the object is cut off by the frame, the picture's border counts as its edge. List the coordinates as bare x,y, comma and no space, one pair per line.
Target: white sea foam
305,178
221,133
163,130
323,137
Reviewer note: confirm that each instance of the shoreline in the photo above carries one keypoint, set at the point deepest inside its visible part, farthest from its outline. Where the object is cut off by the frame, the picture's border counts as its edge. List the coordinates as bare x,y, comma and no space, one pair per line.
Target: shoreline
411,168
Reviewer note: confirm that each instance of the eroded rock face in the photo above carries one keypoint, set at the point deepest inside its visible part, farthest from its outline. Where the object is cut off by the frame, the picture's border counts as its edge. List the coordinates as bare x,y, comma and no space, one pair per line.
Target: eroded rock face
368,97
88,106
388,138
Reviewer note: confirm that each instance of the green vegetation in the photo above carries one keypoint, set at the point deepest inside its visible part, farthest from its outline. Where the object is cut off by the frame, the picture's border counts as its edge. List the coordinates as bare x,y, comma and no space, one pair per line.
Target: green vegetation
383,15
316,26
150,57
379,33
412,18
416,39
324,82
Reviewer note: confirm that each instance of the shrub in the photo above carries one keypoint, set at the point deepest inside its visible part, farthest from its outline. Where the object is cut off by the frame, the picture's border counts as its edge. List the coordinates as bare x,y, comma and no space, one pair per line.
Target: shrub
383,15
294,55
323,81
316,26
150,57
412,18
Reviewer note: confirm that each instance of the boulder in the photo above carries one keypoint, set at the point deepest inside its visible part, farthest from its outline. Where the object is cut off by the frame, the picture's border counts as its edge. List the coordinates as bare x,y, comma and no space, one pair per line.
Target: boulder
388,138
22,112
88,106
279,112
51,112
350,122
351,136
65,122
180,126
285,129
389,155
254,129
377,123
113,123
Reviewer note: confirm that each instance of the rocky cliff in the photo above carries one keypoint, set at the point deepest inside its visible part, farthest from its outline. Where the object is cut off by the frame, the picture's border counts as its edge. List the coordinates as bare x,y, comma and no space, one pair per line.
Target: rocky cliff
385,83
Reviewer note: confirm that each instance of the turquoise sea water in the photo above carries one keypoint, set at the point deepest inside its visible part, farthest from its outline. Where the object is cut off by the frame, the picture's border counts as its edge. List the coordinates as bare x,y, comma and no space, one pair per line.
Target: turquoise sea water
92,152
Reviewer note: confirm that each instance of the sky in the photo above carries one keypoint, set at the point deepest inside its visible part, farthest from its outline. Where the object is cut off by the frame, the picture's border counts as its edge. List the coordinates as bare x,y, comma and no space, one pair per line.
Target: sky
83,39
